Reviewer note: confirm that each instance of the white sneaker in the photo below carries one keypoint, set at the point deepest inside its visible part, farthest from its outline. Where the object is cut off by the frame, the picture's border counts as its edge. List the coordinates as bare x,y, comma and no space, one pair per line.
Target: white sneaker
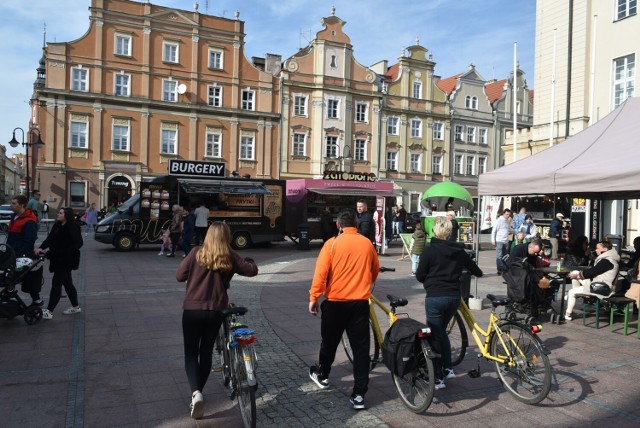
449,374
161,253
197,405
71,310
46,315
440,384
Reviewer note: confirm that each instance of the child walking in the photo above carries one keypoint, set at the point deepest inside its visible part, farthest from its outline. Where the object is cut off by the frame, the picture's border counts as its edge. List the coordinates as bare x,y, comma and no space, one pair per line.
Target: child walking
166,242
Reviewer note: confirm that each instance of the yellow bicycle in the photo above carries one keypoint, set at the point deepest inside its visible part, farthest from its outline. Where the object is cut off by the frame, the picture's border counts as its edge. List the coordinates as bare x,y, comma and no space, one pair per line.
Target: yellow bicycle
519,356
416,388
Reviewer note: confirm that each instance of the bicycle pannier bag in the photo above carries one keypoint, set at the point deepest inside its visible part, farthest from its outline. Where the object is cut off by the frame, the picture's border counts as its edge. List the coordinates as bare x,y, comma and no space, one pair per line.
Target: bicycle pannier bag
400,347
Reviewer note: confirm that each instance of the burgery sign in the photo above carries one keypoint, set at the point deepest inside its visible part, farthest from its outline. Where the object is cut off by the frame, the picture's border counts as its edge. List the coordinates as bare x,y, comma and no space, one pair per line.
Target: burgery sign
196,168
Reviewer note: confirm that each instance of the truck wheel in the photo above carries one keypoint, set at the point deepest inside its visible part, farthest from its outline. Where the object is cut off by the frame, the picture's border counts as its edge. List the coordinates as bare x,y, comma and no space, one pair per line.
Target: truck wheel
124,242
240,241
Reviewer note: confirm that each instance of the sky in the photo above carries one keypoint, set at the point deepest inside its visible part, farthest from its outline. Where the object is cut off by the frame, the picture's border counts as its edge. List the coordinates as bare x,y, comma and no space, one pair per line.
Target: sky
457,33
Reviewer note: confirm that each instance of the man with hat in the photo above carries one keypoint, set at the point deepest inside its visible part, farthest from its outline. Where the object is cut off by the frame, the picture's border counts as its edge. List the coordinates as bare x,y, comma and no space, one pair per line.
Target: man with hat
555,232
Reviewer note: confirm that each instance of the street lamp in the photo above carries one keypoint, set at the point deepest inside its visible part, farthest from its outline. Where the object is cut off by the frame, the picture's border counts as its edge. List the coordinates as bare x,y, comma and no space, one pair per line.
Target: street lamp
39,143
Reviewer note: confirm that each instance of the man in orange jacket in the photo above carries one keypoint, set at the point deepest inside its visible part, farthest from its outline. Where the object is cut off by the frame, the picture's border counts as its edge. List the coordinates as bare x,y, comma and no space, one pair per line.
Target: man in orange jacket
347,266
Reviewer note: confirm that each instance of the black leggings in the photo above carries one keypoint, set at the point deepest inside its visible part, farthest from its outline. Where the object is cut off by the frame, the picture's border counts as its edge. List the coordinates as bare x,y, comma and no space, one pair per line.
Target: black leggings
62,278
199,329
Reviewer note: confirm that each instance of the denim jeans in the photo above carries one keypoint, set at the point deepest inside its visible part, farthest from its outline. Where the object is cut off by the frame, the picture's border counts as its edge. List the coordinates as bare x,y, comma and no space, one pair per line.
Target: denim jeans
501,251
415,258
440,310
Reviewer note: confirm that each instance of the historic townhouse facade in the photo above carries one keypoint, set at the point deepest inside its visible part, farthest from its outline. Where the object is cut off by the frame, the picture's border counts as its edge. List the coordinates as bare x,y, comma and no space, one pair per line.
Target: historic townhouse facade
415,118
144,85
330,109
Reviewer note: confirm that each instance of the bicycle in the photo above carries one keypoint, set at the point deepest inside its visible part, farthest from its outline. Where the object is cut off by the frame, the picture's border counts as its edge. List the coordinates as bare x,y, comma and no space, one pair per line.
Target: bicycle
519,356
416,389
238,362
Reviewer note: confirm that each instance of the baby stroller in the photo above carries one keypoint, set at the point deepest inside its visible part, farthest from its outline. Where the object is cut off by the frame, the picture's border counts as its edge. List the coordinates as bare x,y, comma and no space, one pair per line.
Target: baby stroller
25,271
526,296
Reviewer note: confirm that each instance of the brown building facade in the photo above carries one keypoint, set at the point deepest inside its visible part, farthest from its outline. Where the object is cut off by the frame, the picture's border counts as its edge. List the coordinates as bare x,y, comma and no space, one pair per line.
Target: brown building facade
144,85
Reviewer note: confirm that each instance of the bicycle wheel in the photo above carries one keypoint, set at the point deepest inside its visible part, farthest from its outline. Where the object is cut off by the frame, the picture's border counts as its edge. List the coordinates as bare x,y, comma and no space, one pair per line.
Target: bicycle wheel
459,339
246,393
374,347
527,371
223,356
416,388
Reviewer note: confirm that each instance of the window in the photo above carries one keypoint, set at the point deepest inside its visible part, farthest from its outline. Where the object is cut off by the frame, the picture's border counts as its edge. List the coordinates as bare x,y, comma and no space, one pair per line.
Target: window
392,161
625,8
624,72
361,150
483,136
416,128
123,45
436,164
482,165
170,52
362,112
215,59
471,102
470,165
214,98
471,134
457,164
170,90
214,144
120,138
392,125
437,131
332,147
79,79
459,131
334,61
247,99
300,105
78,193
122,85
417,90
247,147
169,143
332,108
414,162
78,134
299,144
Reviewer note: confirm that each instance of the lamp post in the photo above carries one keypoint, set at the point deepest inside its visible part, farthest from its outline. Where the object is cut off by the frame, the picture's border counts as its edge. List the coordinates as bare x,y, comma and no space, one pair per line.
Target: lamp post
14,143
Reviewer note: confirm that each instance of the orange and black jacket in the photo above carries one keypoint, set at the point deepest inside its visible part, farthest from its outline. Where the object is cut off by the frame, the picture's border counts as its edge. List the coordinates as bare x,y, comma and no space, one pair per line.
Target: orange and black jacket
23,232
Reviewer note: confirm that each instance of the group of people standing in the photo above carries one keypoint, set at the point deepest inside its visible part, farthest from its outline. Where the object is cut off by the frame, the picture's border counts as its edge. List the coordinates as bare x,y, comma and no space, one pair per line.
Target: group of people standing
186,223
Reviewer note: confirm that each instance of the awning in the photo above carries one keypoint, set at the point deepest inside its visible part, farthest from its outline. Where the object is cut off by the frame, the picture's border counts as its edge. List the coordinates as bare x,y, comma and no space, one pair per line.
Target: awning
353,192
219,186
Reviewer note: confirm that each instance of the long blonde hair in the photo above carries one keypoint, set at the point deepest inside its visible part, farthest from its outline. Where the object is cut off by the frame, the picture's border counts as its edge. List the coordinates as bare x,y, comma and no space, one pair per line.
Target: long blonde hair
215,253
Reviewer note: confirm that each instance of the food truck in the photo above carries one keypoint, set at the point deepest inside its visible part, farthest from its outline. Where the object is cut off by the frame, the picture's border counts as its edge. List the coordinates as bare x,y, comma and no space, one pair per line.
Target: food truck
306,199
253,208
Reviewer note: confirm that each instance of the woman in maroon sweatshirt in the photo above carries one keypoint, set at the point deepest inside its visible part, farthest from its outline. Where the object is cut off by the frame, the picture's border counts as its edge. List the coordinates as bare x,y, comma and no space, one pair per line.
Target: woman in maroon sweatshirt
208,271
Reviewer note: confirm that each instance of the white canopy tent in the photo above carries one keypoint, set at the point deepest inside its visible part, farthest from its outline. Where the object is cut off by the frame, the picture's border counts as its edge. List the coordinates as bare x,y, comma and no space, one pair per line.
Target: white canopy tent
601,162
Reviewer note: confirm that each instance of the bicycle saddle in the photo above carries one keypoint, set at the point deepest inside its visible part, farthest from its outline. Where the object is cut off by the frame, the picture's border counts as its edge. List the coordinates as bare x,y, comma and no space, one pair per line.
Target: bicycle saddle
498,300
396,302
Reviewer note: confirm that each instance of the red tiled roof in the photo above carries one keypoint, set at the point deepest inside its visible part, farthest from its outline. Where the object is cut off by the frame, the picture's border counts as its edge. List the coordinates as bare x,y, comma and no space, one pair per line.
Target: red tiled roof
448,84
494,90
392,72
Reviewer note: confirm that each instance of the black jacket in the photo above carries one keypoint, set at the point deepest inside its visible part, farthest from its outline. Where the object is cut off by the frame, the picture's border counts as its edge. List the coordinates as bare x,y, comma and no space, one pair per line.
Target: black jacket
64,243
441,264
366,227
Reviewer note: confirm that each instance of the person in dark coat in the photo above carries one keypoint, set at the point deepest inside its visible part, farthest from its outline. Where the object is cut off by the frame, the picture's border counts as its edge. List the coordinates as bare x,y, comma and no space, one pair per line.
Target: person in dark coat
439,270
64,243
366,226
388,224
188,229
328,225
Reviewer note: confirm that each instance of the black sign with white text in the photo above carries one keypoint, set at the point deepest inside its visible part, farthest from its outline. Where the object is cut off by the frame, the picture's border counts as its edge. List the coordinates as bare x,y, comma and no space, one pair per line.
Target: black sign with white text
196,168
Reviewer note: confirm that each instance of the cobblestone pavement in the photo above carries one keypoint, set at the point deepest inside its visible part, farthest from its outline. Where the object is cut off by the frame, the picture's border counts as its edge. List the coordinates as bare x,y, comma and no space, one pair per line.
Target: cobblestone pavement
120,361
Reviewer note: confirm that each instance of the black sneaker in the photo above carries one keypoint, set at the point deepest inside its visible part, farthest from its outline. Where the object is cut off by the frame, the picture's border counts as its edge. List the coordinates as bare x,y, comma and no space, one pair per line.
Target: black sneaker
38,302
315,376
357,401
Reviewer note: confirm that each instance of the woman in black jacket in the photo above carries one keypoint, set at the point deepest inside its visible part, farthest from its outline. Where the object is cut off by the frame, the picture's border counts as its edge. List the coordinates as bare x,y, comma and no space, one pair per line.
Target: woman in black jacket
64,243
439,270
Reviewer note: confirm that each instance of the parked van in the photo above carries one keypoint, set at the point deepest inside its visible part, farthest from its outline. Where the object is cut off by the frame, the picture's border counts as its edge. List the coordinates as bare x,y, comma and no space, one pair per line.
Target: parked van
254,209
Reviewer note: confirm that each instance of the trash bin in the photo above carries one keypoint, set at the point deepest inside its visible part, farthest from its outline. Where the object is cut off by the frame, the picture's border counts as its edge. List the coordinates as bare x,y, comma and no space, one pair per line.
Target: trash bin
616,242
303,236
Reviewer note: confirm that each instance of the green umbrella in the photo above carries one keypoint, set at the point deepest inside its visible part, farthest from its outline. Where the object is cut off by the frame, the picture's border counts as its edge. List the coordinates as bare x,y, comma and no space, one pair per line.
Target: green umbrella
446,193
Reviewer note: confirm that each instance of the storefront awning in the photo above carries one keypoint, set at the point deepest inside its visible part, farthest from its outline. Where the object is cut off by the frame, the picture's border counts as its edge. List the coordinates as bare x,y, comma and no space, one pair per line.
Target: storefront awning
354,192
219,186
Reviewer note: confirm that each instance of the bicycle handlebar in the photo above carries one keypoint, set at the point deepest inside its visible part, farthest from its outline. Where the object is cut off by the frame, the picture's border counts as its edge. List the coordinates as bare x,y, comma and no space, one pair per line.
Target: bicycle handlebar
386,269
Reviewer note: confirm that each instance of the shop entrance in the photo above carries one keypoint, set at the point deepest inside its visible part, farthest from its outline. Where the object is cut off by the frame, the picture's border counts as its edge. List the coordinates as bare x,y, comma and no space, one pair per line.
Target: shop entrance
118,190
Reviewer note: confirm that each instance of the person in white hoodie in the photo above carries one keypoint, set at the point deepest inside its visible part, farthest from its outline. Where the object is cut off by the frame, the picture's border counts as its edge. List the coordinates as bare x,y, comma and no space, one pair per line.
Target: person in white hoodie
605,269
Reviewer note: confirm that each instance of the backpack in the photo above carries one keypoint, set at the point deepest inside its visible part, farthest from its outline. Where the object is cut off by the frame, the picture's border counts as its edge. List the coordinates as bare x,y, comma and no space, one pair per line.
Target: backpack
400,347
45,208
522,282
